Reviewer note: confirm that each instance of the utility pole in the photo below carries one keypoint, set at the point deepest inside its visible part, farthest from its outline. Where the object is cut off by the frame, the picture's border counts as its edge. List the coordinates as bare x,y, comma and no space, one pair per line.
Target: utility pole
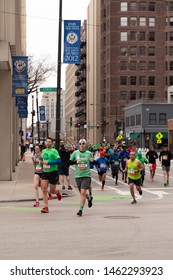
33,113
58,100
38,123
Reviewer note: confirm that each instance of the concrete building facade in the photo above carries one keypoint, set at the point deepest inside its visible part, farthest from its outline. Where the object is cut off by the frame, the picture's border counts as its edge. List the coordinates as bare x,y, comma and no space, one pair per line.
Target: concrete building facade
12,42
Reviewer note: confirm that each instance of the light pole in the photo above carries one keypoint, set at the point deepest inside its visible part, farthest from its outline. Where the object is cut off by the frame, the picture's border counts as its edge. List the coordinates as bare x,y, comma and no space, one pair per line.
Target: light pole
58,99
38,123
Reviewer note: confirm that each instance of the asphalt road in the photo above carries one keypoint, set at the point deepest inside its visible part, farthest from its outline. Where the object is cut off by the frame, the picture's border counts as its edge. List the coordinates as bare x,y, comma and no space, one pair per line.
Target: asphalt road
112,229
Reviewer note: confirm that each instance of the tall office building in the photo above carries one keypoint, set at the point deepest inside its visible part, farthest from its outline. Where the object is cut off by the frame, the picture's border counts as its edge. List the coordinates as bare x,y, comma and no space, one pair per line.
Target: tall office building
12,42
136,56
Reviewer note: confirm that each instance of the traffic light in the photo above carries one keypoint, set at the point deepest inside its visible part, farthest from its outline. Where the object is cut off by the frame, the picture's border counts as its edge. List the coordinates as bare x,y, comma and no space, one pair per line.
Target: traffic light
71,121
33,113
97,126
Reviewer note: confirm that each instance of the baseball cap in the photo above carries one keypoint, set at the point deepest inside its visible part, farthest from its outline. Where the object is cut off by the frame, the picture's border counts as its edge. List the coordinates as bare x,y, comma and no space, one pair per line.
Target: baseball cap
102,153
82,141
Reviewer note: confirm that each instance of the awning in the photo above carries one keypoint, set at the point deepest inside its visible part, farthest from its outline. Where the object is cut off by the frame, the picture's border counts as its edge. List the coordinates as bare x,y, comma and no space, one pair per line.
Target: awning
134,136
165,135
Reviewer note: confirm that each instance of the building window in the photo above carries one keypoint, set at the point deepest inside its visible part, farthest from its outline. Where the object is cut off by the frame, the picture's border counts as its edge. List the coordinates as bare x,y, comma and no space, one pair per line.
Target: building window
162,119
171,66
123,7
133,21
142,6
151,21
171,50
171,21
151,6
123,65
123,51
142,35
133,80
142,94
127,122
151,36
123,95
152,119
132,120
171,36
142,21
138,119
133,6
151,81
123,36
123,21
151,66
151,95
133,95
142,80
171,80
142,65
133,35
133,51
151,51
171,6
142,50
133,65
123,80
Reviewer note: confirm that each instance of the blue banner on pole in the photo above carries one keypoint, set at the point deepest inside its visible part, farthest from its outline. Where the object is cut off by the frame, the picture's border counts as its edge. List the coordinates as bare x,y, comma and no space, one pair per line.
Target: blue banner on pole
20,76
42,113
21,102
72,41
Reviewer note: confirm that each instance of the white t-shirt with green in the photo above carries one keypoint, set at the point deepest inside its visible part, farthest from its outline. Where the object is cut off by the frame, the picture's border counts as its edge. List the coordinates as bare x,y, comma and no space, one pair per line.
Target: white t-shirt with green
83,168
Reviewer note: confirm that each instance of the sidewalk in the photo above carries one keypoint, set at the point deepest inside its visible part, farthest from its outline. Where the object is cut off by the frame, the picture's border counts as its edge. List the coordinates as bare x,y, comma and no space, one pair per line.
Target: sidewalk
21,187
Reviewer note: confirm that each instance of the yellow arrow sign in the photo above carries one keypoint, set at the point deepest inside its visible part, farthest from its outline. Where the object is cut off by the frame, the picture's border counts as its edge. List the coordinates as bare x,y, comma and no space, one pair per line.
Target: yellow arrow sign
159,141
159,135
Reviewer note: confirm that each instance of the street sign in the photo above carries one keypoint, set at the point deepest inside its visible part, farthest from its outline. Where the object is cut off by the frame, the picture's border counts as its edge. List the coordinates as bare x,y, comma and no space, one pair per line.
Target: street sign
48,89
159,135
159,141
120,137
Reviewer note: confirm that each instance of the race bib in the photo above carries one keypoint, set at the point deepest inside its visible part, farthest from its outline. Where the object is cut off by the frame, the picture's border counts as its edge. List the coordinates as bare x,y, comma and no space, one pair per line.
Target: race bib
82,166
125,159
132,171
116,163
38,168
46,167
102,166
165,157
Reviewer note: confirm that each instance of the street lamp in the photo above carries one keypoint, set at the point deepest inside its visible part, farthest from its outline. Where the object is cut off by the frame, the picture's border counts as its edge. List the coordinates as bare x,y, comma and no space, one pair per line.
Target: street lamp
58,99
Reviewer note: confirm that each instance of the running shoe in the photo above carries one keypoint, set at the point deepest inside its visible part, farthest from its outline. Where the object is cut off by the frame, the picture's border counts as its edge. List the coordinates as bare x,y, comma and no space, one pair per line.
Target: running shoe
79,213
50,196
102,188
36,204
134,201
90,198
140,192
69,188
63,187
59,196
165,184
45,210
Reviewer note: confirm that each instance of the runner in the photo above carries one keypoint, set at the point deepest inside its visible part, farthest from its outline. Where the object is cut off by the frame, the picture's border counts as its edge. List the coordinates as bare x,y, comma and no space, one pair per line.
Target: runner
82,159
114,161
64,167
151,155
102,165
50,160
36,158
165,159
134,168
124,156
144,161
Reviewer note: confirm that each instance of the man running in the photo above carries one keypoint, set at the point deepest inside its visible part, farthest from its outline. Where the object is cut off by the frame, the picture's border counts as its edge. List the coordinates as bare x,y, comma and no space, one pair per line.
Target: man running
50,160
81,158
151,155
165,159
102,164
134,168
124,156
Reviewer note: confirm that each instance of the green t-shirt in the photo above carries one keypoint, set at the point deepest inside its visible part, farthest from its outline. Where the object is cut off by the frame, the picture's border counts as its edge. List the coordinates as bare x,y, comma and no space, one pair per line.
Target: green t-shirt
82,169
50,155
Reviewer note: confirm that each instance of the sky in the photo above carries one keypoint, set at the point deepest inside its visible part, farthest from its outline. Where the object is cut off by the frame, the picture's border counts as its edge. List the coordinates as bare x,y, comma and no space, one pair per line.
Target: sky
42,32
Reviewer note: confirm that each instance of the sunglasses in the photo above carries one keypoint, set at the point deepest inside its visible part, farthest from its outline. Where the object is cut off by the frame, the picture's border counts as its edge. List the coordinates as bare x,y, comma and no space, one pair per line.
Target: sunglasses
82,143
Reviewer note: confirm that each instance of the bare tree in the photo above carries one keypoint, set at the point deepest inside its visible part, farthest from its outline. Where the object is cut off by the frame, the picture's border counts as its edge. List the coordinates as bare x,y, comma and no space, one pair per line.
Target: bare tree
38,72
